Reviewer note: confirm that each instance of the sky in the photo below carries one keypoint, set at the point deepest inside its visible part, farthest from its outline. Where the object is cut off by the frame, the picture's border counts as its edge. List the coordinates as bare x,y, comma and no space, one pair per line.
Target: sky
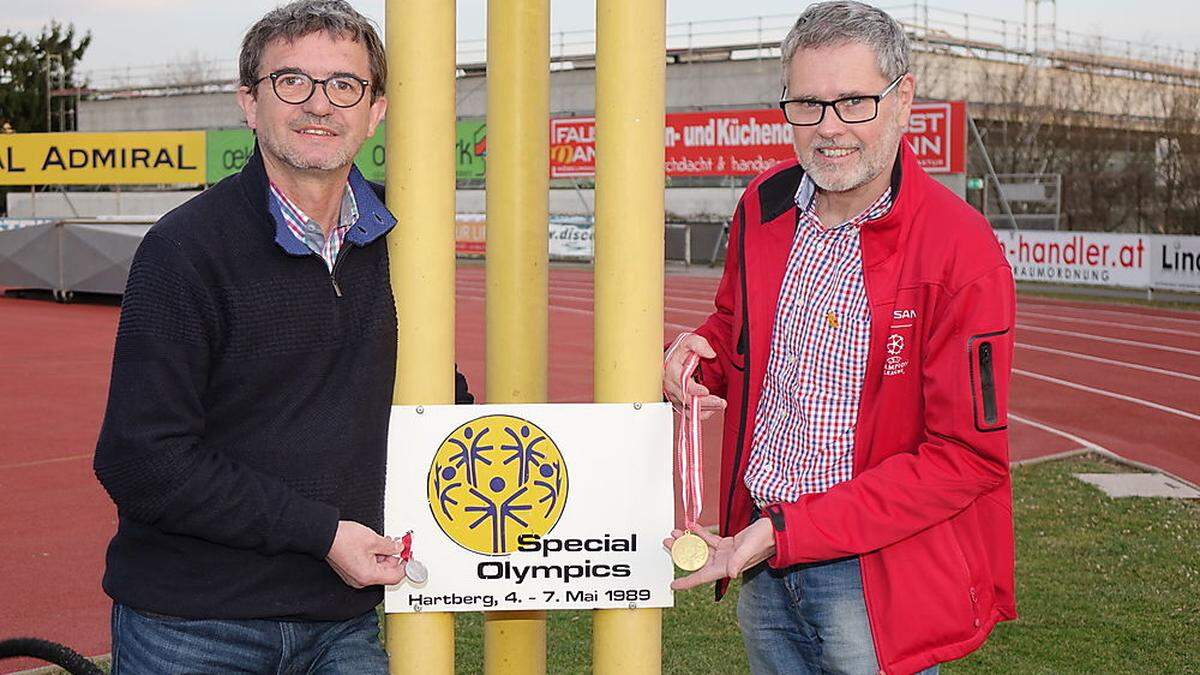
140,33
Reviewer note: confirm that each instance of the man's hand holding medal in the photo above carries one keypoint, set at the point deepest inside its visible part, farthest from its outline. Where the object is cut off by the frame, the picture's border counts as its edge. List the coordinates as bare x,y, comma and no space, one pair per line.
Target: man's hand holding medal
707,556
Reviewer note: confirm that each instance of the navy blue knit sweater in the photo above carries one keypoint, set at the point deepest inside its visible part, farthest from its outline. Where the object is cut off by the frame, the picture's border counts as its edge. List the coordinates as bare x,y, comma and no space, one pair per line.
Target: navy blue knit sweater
248,410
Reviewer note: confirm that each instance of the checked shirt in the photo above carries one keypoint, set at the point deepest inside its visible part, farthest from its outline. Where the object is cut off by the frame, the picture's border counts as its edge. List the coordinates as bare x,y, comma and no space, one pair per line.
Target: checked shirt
310,232
803,439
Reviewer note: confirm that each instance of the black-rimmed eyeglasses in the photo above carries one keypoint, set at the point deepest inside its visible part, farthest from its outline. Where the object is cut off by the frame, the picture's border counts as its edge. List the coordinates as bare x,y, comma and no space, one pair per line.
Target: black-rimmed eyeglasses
808,112
295,87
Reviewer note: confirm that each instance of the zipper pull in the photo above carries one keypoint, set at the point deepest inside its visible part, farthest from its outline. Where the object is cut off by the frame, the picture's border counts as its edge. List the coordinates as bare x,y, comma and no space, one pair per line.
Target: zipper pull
336,289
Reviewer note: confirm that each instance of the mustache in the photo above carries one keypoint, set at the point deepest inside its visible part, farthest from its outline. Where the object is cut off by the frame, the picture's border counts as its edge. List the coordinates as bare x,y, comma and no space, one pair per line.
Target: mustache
305,120
819,144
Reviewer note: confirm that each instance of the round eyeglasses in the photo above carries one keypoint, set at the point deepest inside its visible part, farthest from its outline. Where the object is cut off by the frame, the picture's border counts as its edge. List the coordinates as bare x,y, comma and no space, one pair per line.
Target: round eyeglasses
294,87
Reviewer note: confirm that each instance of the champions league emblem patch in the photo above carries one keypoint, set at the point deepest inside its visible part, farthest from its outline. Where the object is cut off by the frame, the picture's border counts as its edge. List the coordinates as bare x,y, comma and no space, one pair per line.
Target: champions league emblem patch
494,479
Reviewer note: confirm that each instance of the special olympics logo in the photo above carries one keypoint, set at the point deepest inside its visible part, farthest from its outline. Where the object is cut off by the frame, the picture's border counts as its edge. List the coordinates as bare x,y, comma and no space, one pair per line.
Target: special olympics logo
494,479
895,344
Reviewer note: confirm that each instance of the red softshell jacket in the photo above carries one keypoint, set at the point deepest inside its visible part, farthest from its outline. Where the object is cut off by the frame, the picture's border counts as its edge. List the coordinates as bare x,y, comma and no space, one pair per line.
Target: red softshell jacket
929,508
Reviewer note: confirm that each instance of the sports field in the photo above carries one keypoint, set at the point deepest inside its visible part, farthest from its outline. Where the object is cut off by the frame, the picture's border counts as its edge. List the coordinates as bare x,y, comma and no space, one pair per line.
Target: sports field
1106,376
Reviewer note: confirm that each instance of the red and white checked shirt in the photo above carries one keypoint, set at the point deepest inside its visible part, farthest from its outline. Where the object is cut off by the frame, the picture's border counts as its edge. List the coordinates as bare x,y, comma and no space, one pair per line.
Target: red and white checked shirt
310,232
804,431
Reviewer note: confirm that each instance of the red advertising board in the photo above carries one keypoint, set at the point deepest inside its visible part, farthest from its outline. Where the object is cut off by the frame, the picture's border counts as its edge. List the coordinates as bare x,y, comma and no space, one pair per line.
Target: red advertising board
747,142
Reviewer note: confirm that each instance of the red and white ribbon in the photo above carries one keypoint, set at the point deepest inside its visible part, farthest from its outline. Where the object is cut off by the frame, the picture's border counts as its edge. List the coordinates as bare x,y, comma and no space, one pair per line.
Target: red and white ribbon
688,455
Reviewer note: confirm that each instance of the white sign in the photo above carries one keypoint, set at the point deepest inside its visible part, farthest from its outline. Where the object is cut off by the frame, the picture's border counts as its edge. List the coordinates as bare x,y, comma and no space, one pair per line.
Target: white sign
1175,262
571,238
559,506
1089,258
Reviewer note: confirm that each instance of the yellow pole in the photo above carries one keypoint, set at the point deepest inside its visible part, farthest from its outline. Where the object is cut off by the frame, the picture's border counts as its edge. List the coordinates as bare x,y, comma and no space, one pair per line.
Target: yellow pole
630,109
420,193
518,119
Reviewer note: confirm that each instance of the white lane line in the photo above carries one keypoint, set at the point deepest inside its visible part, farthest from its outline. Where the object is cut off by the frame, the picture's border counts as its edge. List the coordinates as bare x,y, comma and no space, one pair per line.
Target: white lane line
575,310
1101,338
1125,326
1110,394
583,293
1059,432
52,460
1089,310
1090,447
1111,362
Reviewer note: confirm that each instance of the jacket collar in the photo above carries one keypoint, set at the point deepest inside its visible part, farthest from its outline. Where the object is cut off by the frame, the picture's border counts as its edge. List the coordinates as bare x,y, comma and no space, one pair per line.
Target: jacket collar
777,197
374,220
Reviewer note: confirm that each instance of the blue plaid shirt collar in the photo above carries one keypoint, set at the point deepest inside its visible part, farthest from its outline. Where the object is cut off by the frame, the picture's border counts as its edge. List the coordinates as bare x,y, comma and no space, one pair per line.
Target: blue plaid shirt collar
374,220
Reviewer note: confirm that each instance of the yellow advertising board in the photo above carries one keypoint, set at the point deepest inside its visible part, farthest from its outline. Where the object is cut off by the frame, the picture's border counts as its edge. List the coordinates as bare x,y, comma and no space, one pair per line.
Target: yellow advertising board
118,158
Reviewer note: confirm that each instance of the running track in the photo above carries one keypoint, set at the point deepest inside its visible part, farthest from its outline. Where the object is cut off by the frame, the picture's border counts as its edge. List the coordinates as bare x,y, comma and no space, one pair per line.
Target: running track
1123,378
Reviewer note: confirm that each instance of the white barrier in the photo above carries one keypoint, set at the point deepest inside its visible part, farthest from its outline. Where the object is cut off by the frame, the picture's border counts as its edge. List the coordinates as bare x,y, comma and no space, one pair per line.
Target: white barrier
1104,259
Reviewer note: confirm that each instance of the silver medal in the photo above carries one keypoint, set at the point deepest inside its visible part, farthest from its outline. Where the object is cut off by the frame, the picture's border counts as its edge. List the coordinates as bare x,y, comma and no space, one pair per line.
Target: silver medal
416,572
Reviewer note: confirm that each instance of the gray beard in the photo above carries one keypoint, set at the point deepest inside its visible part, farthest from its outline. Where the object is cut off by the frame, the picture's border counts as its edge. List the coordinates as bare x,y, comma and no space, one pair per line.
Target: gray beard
292,157
870,168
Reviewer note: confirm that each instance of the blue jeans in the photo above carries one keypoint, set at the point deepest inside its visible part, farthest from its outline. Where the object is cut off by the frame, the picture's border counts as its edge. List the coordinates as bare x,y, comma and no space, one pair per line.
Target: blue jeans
807,619
153,644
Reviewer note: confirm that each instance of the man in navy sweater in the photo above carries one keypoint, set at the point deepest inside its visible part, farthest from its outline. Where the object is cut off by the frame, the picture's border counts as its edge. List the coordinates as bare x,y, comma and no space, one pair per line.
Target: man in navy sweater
246,432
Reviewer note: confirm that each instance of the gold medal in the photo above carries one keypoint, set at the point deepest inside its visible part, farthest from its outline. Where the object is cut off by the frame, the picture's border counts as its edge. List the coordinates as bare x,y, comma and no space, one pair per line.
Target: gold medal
689,552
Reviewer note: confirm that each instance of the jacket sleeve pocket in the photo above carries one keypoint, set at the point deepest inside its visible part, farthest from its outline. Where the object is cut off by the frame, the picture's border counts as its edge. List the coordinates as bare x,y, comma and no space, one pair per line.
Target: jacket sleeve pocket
989,358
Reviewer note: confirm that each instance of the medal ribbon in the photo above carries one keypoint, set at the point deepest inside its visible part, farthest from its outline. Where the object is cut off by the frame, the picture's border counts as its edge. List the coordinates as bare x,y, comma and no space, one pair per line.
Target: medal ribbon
406,542
688,443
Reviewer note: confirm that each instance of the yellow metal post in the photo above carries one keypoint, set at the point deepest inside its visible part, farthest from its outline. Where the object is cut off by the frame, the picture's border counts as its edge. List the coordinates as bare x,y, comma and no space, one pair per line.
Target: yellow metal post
518,118
630,110
420,193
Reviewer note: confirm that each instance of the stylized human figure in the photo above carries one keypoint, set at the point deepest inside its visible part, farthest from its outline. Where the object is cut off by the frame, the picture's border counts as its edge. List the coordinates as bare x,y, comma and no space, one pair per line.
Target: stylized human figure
445,473
499,514
471,457
523,453
552,491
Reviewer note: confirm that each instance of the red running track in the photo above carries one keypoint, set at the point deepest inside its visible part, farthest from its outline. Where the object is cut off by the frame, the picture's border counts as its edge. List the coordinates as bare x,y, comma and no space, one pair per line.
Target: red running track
1123,378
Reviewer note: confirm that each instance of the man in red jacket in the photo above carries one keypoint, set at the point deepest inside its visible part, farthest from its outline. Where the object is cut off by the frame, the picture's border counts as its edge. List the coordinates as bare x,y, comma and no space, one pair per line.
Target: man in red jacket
861,349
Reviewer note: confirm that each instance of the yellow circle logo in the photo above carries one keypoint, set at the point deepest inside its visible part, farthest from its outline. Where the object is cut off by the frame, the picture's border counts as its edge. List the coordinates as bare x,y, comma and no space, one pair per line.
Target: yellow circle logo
494,479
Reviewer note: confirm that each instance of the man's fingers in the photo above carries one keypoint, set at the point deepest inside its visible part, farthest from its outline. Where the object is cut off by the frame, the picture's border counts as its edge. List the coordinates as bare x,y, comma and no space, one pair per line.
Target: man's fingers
704,575
709,538
700,346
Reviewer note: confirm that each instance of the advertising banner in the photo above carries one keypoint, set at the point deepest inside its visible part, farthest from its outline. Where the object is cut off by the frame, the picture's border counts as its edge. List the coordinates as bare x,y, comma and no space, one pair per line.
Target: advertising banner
748,142
470,234
470,149
571,238
937,133
121,158
1175,262
228,150
560,506
1089,258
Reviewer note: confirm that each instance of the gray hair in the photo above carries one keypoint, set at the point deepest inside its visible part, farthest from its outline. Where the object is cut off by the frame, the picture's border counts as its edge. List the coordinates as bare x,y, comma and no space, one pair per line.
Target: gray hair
305,17
832,24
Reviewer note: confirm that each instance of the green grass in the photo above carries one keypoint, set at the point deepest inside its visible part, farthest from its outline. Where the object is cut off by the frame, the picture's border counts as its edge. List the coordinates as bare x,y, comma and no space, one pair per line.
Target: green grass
1103,586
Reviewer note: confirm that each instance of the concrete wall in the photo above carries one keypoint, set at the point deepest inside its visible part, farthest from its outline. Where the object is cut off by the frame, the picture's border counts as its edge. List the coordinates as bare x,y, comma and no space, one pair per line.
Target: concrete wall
989,85
187,111
92,204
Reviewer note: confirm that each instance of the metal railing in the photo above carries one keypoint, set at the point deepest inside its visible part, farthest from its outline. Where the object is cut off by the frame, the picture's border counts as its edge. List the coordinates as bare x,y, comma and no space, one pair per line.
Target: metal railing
930,27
